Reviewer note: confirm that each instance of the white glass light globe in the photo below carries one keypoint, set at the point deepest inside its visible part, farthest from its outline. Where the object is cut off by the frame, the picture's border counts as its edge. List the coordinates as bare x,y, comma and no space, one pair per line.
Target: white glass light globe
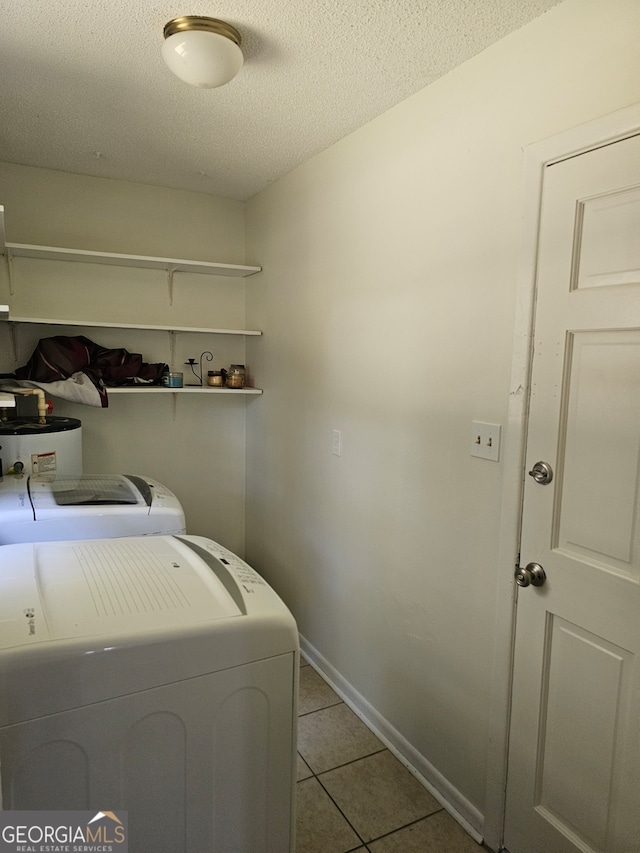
202,59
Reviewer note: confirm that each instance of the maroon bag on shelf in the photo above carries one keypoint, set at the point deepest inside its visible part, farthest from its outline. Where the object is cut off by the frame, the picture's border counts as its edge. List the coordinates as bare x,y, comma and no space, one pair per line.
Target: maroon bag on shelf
60,357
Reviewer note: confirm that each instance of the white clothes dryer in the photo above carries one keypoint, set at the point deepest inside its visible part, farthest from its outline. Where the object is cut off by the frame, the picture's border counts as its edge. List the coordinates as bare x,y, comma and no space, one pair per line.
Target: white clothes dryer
47,507
156,675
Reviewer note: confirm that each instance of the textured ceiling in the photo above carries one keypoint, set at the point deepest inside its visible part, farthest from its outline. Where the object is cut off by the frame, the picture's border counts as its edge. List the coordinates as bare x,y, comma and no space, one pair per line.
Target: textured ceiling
84,88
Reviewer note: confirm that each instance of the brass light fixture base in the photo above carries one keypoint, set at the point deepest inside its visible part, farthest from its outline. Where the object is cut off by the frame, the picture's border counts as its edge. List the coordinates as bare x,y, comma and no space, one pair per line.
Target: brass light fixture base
209,25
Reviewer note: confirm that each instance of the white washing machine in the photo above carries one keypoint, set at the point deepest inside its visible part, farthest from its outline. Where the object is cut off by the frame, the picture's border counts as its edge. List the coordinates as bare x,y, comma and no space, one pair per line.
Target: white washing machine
155,675
45,507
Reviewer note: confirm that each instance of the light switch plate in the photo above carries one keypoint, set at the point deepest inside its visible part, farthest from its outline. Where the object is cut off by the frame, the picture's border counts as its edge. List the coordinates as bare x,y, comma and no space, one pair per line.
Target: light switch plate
485,440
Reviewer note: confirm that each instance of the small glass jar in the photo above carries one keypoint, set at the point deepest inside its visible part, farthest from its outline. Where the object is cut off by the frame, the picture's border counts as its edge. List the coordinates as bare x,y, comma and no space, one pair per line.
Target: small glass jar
216,378
236,376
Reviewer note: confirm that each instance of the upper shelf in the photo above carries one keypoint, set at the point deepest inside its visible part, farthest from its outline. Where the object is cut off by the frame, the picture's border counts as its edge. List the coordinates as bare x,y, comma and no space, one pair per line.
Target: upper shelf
24,250
105,324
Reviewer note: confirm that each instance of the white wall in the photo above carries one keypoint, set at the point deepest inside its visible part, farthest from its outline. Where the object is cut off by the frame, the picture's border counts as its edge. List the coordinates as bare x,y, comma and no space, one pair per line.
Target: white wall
387,302
193,444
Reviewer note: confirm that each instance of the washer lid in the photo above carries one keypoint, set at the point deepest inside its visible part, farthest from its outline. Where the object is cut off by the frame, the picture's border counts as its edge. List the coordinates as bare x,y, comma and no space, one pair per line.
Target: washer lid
56,493
63,591
86,621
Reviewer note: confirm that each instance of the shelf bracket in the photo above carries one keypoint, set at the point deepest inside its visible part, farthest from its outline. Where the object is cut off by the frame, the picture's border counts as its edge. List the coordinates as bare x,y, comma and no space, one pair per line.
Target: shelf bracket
8,260
170,274
14,343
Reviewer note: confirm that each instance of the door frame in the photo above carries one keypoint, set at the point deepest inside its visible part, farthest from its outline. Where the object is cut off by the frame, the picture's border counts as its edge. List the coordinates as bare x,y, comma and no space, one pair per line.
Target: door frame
602,131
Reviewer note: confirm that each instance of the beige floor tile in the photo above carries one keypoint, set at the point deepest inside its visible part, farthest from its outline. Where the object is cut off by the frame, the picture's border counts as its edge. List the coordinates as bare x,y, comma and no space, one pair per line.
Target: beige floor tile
334,736
314,693
320,828
437,834
303,769
378,795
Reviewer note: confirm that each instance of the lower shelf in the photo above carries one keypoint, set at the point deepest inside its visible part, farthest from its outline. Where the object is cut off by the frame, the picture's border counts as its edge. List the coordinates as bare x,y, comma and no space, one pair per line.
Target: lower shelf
186,389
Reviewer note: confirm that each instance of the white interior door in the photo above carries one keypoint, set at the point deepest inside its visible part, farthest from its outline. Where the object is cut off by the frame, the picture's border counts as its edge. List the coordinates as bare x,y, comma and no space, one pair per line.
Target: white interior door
574,750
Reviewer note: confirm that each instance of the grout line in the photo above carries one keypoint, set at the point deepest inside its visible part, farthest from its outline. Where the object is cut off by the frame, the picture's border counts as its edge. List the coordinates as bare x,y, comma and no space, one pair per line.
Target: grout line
316,776
406,825
346,763
332,705
385,834
362,841
338,766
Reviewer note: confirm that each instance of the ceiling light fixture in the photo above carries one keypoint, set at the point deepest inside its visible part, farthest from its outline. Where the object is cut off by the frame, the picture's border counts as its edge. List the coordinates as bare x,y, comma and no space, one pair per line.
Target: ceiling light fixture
203,52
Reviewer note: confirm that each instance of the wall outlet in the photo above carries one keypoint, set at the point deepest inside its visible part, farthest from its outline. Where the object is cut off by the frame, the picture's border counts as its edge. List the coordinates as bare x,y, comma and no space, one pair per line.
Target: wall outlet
336,442
485,440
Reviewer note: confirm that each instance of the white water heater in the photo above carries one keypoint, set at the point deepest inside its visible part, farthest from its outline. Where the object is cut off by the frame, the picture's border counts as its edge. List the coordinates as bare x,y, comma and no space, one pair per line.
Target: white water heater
29,447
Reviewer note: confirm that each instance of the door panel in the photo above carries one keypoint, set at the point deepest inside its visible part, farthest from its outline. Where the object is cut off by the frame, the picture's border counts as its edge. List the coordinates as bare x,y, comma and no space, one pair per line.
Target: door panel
597,496
577,752
607,250
574,753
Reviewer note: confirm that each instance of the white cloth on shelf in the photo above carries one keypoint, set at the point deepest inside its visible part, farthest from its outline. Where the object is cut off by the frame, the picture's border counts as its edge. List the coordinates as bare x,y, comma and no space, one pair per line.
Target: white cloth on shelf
78,388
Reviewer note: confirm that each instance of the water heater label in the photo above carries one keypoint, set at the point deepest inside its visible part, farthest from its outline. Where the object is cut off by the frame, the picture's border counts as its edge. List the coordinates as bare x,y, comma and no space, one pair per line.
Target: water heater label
43,462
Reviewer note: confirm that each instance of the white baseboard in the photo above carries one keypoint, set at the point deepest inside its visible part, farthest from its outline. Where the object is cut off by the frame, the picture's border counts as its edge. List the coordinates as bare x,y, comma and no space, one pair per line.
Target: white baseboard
449,797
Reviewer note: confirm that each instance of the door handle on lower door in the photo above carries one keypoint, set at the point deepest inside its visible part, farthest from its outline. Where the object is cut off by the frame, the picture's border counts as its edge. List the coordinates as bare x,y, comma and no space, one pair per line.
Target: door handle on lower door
532,575
542,473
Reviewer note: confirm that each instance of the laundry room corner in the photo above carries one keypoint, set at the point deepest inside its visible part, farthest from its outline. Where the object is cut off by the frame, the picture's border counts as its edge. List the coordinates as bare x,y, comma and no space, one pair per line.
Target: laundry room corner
193,443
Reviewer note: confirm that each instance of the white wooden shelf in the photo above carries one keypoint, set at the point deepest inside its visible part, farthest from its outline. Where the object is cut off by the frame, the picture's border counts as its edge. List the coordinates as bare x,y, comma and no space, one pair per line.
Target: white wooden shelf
186,389
52,321
53,253
170,265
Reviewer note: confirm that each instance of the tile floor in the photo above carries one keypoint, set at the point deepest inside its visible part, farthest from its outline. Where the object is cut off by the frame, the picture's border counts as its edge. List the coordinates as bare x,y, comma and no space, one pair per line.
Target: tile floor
353,794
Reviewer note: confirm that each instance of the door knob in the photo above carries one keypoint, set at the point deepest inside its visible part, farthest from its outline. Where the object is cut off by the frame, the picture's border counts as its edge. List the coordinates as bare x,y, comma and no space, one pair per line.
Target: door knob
532,575
542,473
